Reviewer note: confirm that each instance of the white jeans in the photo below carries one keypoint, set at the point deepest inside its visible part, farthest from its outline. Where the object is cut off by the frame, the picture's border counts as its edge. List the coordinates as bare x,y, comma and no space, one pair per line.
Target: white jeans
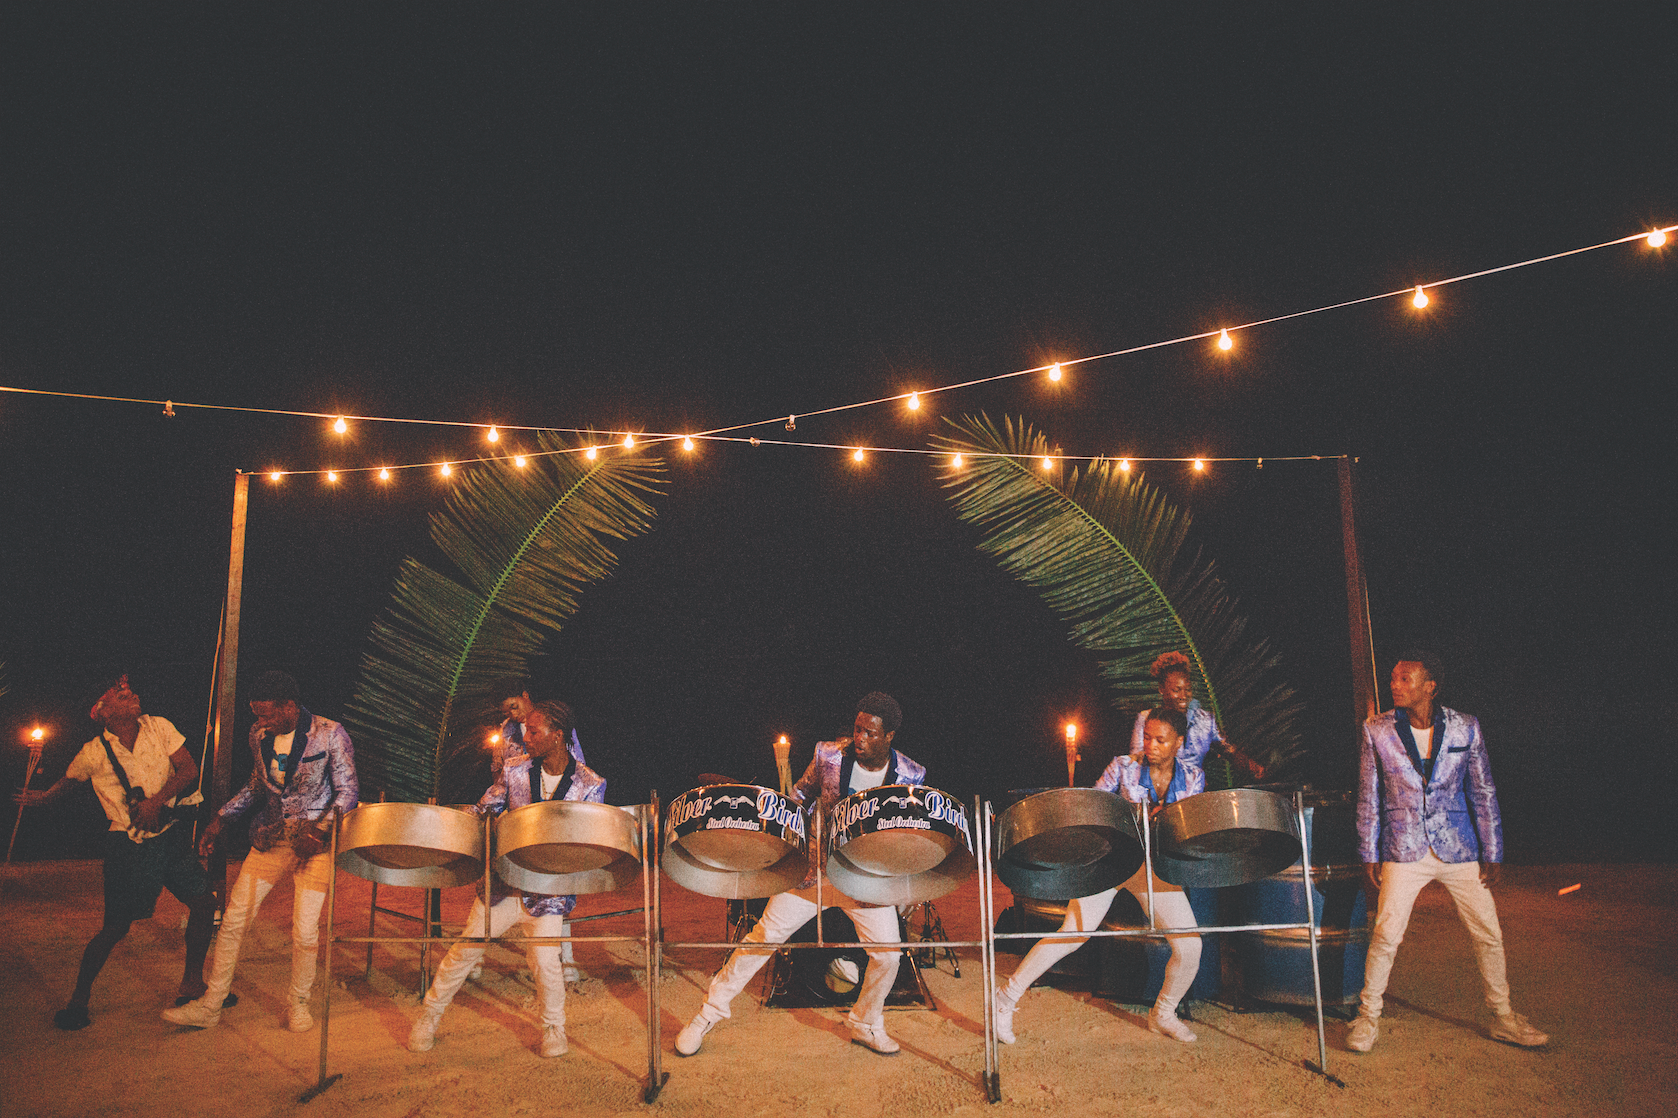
260,873
785,914
545,961
1400,882
1171,910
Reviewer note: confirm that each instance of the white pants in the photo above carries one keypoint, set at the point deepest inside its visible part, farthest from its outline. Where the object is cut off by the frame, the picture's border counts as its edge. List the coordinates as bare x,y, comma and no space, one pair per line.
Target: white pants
545,961
785,914
261,872
1171,910
1400,882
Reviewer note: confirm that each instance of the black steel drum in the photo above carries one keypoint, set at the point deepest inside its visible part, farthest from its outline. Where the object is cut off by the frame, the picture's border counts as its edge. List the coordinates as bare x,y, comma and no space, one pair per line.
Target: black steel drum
1228,837
899,844
735,841
1062,843
423,845
565,846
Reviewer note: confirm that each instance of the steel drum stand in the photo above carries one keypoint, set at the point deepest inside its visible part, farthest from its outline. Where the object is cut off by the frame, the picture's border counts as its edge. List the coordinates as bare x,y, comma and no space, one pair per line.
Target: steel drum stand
647,819
982,857
1145,826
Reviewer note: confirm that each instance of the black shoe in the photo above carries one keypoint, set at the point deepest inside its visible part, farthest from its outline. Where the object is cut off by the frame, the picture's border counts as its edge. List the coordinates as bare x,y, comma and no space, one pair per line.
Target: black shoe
228,1002
72,1017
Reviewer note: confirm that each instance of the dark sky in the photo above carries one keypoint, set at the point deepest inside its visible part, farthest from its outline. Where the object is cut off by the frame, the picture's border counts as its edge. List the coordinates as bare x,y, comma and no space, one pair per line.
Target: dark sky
689,217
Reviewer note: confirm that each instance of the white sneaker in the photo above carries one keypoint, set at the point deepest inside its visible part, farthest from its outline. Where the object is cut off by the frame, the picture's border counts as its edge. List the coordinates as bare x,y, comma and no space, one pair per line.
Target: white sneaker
1515,1029
553,1041
1361,1037
1166,1023
424,1033
1005,1007
196,1015
872,1037
298,1019
693,1034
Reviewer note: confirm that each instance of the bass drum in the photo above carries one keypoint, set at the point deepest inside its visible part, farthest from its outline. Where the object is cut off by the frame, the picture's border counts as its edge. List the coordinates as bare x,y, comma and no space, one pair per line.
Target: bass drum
735,841
567,846
899,844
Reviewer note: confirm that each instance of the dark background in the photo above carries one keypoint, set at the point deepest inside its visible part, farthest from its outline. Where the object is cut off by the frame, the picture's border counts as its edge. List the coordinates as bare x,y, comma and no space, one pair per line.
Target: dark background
682,218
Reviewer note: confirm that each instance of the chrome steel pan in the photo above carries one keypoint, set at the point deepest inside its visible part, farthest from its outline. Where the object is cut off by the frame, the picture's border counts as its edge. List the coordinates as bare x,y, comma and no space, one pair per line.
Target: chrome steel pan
565,846
1067,842
1228,837
735,841
423,845
899,844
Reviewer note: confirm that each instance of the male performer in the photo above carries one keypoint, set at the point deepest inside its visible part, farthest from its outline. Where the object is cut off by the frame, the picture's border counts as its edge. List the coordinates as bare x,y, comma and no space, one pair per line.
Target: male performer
305,768
513,697
546,772
864,760
1427,811
137,766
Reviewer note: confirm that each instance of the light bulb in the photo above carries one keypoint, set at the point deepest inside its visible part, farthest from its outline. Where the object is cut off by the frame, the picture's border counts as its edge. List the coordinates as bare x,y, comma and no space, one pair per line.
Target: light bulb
1048,465
332,475
275,475
592,454
955,460
1421,299
1657,238
857,454
1124,465
1224,340
340,426
687,443
493,436
518,460
1200,464
446,469
384,475
1054,371
629,442
914,401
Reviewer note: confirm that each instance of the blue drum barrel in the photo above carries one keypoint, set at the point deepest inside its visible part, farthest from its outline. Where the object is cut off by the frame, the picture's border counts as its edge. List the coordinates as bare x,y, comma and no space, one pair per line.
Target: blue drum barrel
1275,966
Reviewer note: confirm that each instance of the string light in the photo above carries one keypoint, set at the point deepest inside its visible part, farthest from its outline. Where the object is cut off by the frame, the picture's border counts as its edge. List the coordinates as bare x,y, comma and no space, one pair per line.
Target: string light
1200,465
384,474
1054,372
340,426
687,443
518,460
1048,465
493,435
1124,465
629,442
955,460
1657,238
592,454
1224,340
857,454
275,476
446,469
332,476
914,401
1421,299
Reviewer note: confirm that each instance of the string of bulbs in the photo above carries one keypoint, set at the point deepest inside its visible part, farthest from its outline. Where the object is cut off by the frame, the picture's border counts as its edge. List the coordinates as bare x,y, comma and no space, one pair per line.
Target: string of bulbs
1225,342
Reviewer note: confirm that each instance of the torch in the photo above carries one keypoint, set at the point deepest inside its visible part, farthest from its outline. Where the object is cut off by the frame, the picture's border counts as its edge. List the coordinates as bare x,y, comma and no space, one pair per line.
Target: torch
783,767
37,740
1071,753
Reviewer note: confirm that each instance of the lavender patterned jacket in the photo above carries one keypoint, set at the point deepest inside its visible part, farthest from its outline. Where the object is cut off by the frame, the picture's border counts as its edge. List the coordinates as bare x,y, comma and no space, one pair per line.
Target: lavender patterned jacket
1203,731
512,790
1129,778
322,778
828,779
1455,814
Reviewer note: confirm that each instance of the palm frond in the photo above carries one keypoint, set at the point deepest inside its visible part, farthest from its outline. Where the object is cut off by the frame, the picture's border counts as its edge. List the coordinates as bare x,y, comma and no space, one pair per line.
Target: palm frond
520,546
1108,553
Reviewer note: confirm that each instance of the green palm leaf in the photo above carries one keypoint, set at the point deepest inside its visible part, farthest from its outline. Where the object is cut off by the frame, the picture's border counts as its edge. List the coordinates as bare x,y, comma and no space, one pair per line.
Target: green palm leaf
520,545
1108,553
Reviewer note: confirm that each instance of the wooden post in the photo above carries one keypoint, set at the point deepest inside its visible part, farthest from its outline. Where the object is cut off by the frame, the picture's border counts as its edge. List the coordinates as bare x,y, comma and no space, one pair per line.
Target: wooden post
1364,688
227,677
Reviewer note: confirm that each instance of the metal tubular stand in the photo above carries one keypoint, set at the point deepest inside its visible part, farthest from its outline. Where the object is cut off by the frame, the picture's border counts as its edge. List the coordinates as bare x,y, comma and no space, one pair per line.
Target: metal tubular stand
1309,925
980,841
332,938
654,924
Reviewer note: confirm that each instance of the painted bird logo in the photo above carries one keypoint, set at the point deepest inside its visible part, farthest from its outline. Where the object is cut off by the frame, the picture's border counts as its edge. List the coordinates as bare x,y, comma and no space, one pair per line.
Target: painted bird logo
902,801
736,801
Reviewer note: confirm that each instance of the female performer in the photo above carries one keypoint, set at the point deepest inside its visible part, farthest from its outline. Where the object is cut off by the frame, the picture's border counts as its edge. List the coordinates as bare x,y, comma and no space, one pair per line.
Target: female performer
1162,777
1176,692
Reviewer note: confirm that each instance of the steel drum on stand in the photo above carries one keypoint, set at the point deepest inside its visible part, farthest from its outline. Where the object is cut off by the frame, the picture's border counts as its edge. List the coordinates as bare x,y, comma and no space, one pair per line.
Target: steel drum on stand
423,845
899,844
1228,837
735,841
568,846
1062,843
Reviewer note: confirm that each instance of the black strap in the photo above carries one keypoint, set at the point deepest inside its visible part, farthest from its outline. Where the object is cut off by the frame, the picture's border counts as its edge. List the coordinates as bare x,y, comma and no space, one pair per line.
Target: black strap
128,789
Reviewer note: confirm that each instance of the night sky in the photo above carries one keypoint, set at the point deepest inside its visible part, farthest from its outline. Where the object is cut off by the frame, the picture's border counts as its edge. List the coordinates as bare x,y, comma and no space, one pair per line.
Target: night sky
689,217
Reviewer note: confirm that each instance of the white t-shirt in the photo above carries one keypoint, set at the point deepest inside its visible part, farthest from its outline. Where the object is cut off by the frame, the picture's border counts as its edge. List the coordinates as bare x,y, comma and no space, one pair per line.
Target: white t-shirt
861,778
550,782
147,766
1424,741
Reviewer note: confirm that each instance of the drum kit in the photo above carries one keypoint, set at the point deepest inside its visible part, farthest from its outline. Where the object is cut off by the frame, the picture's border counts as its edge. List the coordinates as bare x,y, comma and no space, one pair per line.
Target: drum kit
895,845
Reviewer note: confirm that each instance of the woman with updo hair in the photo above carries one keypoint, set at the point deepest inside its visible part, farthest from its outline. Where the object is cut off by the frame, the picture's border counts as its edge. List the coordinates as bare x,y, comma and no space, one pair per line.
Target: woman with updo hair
1175,677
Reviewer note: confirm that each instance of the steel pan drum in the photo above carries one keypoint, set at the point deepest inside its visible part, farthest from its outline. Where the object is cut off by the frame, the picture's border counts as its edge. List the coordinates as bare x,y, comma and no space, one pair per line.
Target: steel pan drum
899,844
1228,837
1067,842
565,846
424,845
735,841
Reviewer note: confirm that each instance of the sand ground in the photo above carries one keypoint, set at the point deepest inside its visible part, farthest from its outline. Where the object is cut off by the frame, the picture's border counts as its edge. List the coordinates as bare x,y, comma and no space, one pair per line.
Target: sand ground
1596,968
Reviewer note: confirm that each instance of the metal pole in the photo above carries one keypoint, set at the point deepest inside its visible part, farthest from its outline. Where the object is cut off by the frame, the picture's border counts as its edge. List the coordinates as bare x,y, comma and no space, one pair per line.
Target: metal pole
372,916
821,866
1311,923
1147,857
654,925
987,950
227,676
326,1081
1364,683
